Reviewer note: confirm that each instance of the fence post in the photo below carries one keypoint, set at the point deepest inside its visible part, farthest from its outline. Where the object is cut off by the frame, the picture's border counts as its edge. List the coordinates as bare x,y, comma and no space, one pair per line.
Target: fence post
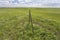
31,22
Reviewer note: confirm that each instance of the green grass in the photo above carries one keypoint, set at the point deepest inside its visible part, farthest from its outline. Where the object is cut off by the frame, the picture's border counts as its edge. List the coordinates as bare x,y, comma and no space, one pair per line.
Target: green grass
14,24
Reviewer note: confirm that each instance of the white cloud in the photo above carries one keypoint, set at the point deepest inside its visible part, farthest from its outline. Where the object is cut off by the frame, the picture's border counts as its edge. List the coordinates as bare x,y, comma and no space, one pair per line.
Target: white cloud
28,0
29,3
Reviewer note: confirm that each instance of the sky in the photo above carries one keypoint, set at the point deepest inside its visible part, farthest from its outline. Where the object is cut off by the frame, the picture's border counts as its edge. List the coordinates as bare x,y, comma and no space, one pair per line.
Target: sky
29,3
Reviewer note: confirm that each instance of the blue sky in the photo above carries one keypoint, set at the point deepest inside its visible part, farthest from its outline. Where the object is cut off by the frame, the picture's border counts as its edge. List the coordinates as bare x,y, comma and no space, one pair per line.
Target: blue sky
29,3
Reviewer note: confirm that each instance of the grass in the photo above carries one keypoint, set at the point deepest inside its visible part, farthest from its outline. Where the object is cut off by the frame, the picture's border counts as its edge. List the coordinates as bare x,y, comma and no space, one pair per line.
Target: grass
14,24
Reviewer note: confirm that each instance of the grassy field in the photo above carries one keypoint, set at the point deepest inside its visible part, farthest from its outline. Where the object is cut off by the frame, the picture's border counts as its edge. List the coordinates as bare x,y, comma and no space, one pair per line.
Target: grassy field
14,24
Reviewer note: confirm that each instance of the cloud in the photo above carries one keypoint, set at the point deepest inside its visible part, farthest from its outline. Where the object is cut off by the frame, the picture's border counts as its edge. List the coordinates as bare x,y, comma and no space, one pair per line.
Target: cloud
29,3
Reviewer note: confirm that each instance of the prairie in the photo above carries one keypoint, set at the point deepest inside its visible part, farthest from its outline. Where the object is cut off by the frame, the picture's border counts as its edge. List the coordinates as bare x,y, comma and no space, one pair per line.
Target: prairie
15,24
